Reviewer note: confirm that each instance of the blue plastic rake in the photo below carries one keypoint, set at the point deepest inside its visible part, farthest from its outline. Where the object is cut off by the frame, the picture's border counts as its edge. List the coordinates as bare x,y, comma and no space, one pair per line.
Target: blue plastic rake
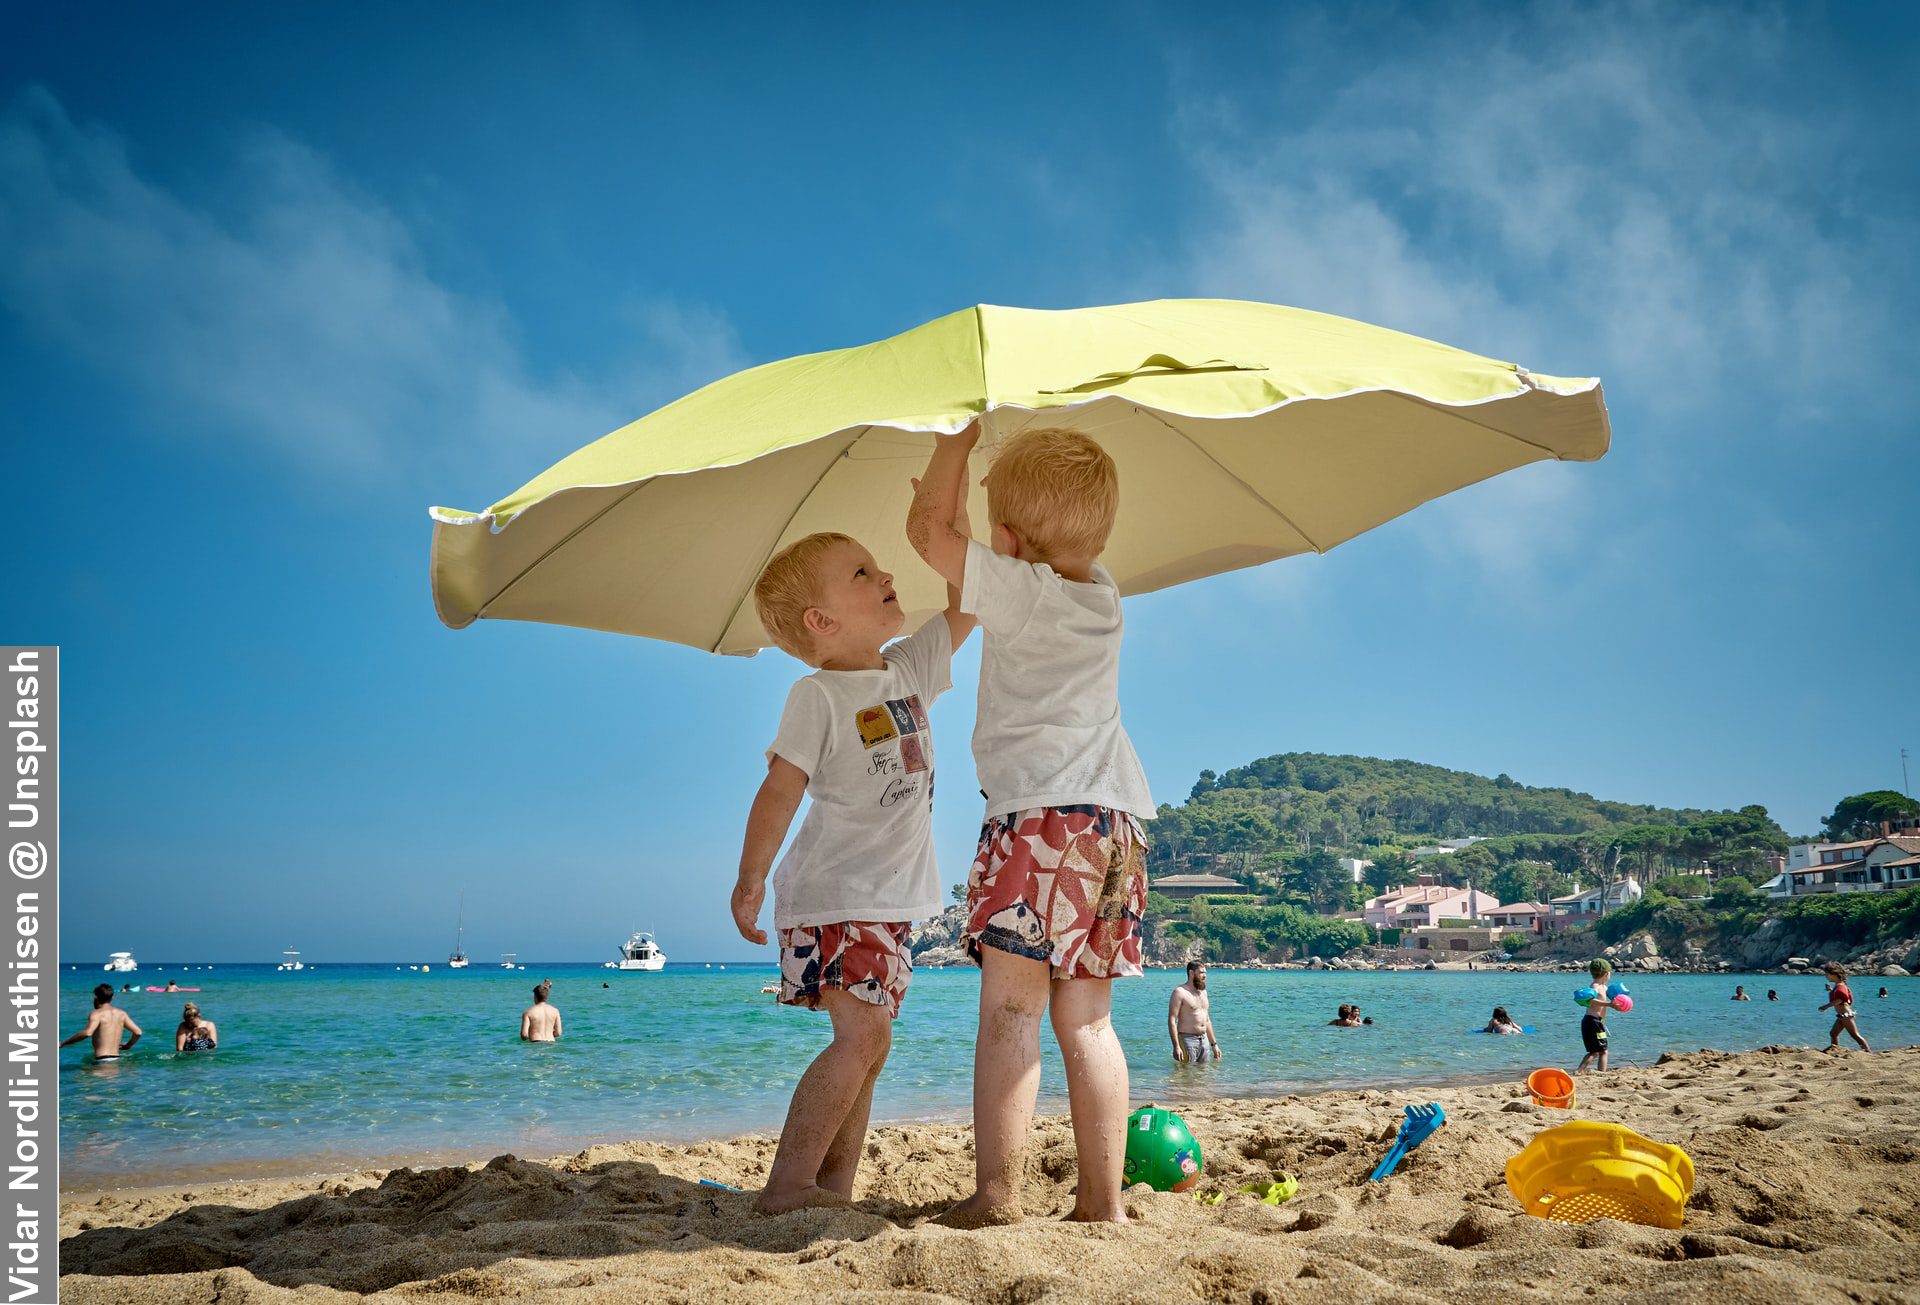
1422,1122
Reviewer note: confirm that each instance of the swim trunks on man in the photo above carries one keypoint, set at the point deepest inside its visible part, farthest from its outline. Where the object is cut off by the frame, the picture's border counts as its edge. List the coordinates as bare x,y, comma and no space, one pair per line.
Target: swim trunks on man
1197,1048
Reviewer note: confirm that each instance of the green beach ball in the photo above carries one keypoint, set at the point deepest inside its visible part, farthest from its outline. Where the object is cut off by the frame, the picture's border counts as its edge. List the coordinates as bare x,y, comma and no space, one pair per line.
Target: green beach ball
1161,1151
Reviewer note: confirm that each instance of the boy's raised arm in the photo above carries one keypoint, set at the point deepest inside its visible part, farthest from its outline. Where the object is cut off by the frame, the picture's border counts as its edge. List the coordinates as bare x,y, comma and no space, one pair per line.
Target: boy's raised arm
773,808
931,521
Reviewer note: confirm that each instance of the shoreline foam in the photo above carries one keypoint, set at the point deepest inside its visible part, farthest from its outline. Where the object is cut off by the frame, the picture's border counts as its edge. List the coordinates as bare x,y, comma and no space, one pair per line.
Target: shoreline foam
1806,1191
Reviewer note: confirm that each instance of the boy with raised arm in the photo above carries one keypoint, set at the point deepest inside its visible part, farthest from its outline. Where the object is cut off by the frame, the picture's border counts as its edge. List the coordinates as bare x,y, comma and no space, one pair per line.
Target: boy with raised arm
1059,883
854,738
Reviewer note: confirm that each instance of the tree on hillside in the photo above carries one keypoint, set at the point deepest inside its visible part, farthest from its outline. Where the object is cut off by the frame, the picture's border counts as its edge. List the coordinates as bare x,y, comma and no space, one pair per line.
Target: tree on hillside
1390,870
1319,877
1859,816
1528,881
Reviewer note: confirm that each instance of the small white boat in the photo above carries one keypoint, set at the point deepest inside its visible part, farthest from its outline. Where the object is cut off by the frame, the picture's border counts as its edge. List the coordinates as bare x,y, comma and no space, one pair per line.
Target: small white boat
506,960
639,952
121,962
457,959
292,962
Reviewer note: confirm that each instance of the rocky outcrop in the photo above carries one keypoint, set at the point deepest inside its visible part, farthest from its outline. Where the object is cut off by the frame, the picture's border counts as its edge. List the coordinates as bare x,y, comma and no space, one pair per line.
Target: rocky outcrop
938,941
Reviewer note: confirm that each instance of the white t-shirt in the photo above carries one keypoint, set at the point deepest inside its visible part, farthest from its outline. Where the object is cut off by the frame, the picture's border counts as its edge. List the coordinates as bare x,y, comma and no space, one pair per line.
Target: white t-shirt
865,849
1048,733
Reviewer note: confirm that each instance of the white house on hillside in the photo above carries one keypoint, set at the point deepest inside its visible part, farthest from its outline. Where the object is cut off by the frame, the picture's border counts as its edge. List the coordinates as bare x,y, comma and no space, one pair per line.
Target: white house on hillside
1579,903
1880,865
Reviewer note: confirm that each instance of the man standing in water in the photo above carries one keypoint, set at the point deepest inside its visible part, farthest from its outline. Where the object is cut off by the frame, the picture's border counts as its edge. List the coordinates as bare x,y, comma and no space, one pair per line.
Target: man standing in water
105,1026
1190,1020
540,1022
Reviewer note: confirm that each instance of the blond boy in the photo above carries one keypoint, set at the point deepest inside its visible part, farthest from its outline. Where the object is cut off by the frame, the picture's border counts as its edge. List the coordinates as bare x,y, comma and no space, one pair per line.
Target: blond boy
1058,883
854,737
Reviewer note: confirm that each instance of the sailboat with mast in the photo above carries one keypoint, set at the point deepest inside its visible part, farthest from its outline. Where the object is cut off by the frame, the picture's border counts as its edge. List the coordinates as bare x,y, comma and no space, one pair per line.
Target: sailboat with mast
457,959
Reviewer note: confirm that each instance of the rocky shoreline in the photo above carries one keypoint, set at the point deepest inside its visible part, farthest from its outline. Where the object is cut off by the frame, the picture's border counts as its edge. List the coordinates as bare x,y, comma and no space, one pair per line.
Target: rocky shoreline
1774,948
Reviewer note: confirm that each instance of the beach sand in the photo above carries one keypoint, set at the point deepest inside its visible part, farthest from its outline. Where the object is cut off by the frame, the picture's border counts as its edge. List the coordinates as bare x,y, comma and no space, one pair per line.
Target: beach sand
1807,1191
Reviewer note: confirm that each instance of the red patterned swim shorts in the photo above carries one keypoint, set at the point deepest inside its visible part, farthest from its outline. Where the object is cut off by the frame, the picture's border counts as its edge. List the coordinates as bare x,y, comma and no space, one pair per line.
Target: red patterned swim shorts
1064,885
868,961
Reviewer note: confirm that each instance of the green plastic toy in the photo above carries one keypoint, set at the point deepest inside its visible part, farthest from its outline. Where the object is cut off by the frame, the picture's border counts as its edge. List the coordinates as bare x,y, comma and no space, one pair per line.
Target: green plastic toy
1161,1151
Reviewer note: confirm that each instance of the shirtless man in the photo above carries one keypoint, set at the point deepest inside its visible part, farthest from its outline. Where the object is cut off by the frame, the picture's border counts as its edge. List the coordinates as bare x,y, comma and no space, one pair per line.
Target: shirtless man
540,1022
1190,1021
105,1026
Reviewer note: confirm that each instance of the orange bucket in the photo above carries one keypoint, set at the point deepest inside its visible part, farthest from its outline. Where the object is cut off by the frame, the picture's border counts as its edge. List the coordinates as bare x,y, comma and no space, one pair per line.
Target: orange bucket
1551,1087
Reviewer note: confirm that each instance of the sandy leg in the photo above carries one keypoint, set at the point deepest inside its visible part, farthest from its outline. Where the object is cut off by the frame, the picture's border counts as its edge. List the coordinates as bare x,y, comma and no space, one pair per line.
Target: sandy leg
1006,1082
1096,1094
814,1150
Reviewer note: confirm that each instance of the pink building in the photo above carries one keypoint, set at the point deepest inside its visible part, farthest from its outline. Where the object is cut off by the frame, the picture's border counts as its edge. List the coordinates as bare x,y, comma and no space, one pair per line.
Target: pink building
1412,908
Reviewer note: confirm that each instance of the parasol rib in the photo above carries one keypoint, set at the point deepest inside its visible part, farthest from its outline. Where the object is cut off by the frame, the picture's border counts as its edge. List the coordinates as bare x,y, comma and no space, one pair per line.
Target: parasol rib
1257,496
534,565
786,525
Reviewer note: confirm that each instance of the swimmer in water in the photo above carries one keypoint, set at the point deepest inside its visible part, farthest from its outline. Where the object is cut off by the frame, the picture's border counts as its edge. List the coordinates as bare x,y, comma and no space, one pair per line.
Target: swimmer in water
105,1026
540,1022
194,1033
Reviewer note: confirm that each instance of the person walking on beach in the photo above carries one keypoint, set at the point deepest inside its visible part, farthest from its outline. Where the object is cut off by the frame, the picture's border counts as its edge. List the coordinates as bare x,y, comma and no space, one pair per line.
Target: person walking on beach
540,1022
1190,1018
1059,881
1593,1025
194,1033
105,1026
854,738
1840,999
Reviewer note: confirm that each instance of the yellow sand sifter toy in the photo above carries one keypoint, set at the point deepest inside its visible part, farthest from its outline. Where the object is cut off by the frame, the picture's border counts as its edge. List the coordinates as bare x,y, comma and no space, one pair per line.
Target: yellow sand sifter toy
1583,1171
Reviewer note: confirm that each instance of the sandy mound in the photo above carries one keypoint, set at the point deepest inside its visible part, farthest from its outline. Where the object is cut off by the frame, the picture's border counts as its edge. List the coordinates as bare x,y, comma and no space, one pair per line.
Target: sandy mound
1806,1192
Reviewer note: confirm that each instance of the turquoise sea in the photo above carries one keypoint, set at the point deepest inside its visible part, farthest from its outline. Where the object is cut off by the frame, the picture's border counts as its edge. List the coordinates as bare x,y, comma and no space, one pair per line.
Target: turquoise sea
341,1065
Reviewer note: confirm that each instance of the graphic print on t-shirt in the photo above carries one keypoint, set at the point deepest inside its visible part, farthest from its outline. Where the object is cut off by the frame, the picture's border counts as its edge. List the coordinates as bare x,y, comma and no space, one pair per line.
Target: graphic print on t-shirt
903,719
876,725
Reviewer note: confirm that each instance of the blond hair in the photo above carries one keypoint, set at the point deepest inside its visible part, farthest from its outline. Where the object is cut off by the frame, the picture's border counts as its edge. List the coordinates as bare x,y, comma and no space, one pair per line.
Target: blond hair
789,586
1057,489
191,1012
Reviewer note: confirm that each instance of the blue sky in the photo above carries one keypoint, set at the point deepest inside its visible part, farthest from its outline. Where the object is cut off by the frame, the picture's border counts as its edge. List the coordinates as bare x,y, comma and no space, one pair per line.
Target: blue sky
270,284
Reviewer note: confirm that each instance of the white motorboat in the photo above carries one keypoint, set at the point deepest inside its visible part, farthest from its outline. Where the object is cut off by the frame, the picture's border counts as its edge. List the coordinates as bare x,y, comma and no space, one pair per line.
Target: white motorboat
292,962
457,959
506,960
639,952
121,962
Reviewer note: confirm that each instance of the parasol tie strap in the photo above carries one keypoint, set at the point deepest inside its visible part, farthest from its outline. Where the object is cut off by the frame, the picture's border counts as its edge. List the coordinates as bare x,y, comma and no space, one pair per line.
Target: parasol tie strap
1158,364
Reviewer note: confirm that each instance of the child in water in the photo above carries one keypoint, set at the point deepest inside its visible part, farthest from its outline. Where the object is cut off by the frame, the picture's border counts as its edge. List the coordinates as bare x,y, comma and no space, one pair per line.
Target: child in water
1501,1022
1840,998
1593,1025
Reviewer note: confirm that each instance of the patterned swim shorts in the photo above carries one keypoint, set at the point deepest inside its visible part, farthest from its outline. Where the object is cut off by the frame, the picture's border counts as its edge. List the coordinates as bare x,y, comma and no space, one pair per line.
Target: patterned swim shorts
1064,885
868,961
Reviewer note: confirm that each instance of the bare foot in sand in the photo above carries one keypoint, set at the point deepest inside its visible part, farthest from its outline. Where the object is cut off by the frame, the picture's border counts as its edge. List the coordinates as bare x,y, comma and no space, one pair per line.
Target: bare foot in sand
1116,1215
803,1198
977,1212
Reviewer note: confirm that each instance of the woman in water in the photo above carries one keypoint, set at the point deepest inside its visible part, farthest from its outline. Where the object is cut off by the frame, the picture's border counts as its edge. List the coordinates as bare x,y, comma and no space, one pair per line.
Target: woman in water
1501,1022
1348,1018
194,1033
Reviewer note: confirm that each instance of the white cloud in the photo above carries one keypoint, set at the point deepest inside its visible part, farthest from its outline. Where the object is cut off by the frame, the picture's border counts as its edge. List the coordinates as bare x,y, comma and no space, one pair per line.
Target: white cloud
301,317
1632,192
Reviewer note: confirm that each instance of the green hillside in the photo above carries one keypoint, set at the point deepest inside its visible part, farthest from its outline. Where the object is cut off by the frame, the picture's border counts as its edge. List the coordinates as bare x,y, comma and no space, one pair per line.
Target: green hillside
1279,823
